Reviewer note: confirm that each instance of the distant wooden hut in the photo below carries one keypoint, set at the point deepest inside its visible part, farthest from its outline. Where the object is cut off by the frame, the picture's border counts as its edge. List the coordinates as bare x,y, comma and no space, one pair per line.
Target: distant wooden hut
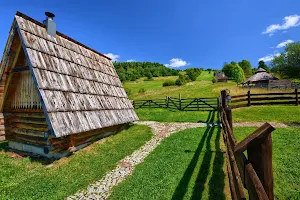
260,79
221,77
58,94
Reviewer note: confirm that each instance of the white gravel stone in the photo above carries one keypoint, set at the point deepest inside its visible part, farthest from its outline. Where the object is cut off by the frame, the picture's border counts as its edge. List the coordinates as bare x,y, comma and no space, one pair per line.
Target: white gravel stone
103,188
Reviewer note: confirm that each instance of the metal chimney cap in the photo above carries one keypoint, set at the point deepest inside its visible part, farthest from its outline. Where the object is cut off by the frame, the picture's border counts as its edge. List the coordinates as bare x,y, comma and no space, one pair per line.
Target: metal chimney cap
49,14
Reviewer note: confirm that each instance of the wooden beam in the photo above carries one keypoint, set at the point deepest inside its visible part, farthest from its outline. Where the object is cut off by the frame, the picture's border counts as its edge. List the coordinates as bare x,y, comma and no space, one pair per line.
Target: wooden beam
260,132
20,69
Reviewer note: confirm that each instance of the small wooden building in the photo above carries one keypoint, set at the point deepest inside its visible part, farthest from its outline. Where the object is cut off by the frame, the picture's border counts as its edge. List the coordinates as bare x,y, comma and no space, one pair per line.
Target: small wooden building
57,95
221,77
260,79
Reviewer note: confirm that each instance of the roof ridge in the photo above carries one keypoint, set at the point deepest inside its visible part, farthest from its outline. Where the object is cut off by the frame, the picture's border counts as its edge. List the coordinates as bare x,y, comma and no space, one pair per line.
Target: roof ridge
60,34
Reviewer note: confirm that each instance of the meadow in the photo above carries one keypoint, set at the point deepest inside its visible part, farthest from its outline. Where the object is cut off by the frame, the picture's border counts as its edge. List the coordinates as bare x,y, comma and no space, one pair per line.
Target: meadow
189,164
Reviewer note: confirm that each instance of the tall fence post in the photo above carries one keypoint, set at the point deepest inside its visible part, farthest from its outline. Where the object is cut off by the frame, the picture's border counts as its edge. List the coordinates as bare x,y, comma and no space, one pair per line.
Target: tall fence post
167,102
260,156
249,98
297,100
223,98
179,101
229,116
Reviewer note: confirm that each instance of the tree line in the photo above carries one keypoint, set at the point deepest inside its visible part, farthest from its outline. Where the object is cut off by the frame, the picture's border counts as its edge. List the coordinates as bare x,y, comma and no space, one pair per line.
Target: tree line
130,71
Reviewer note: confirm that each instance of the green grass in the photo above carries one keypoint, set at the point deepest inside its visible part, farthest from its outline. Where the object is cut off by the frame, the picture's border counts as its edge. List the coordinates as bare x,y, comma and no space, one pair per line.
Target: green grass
203,87
280,113
286,160
187,165
165,115
27,179
205,76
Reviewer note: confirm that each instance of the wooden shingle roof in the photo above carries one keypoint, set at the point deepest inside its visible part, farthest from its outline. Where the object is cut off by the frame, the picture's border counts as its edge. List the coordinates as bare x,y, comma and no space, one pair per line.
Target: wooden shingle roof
79,87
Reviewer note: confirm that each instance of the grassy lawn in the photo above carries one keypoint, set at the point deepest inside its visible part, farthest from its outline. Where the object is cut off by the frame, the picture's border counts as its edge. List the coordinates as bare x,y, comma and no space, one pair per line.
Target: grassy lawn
286,160
281,114
28,179
165,115
188,165
202,87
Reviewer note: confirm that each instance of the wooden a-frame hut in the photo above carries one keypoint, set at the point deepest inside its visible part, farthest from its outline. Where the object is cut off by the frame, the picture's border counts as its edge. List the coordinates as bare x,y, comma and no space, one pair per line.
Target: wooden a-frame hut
57,95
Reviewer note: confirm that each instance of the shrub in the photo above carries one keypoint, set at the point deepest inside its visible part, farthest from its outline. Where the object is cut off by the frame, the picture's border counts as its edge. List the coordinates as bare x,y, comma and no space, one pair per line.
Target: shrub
214,80
168,83
142,90
148,79
179,82
128,91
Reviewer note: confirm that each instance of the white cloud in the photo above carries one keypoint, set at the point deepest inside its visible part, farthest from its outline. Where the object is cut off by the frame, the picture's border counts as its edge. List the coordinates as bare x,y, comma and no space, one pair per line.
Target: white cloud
130,60
283,44
177,62
288,22
112,56
269,57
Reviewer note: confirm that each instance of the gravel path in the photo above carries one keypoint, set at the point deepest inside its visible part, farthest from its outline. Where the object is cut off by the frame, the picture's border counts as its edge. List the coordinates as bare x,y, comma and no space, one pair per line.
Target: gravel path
103,188
258,124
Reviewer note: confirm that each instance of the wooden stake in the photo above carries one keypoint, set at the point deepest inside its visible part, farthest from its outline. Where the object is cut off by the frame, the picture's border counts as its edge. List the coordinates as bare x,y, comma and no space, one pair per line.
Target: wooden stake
297,100
249,98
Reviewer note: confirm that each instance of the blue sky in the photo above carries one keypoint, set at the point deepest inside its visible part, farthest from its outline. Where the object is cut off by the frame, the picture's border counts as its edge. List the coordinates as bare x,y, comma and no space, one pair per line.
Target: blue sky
190,33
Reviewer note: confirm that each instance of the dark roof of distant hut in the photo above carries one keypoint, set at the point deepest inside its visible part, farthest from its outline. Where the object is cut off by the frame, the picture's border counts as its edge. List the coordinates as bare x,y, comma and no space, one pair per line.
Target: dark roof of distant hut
260,75
220,75
79,88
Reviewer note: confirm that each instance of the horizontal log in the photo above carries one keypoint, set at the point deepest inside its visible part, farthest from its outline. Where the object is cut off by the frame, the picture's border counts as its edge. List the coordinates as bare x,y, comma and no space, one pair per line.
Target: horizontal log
28,132
25,115
26,110
35,127
275,93
17,138
273,103
239,100
238,96
28,121
238,106
271,98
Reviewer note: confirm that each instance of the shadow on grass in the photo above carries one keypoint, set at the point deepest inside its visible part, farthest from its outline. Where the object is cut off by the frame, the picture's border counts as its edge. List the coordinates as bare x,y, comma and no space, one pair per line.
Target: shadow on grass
216,183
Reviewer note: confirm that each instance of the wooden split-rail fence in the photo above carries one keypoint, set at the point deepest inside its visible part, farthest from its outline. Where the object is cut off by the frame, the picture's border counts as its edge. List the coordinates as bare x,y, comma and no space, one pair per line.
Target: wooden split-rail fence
280,98
253,172
182,104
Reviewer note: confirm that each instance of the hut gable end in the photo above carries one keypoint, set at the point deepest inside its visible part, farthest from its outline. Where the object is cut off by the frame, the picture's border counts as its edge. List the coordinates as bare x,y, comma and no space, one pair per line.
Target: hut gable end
79,88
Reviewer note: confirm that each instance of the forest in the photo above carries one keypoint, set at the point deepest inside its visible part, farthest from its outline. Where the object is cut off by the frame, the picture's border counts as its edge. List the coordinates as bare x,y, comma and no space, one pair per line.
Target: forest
130,71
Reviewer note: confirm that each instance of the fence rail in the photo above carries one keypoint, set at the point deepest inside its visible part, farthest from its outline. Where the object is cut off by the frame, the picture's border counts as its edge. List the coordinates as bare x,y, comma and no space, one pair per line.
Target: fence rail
249,99
254,172
183,104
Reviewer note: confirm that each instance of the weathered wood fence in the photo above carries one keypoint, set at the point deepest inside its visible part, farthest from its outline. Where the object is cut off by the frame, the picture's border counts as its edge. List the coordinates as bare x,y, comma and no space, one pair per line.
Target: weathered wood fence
173,103
249,99
255,171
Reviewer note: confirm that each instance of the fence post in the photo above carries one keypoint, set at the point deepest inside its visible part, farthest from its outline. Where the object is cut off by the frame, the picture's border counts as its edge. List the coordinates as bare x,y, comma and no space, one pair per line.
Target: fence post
167,102
198,104
260,156
297,100
223,98
229,116
249,98
179,101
